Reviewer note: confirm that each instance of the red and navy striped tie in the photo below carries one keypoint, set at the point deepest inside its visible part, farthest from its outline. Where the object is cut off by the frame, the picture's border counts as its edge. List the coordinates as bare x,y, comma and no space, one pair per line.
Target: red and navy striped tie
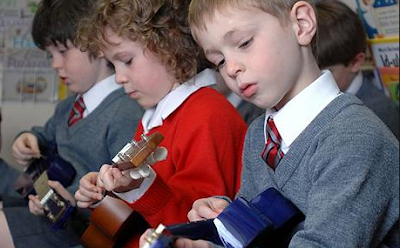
272,153
77,111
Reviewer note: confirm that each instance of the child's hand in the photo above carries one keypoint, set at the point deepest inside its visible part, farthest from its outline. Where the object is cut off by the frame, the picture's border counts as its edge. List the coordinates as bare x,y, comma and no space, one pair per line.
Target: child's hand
25,148
111,178
35,207
187,243
207,208
88,192
179,243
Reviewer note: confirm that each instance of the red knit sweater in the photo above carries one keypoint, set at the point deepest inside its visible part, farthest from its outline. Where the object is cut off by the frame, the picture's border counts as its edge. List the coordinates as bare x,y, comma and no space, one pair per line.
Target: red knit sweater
204,138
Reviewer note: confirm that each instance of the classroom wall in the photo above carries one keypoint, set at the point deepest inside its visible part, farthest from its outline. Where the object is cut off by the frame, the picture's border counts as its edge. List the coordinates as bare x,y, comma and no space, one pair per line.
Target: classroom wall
18,117
18,62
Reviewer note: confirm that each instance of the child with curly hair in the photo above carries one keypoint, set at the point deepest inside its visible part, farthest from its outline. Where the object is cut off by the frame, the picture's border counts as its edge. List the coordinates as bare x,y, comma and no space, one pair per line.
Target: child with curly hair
157,61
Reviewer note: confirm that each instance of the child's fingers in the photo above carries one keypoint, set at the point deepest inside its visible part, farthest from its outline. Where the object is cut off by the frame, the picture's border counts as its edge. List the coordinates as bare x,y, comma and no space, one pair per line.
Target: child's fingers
83,201
32,144
207,208
108,181
217,204
35,207
187,243
85,195
121,178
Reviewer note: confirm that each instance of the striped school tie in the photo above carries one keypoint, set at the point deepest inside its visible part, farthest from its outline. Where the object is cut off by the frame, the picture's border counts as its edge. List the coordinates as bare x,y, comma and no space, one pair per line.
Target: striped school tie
272,153
77,111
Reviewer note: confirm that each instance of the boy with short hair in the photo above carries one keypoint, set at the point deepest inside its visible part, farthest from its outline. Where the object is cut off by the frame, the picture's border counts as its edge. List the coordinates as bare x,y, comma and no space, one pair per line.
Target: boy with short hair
342,45
321,148
88,129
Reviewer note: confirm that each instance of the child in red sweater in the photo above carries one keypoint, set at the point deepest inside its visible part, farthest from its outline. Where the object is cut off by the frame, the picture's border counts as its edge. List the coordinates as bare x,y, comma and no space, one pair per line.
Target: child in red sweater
157,60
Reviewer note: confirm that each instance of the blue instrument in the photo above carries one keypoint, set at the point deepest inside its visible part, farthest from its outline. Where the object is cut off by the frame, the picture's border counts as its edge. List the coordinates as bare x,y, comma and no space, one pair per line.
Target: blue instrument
265,221
34,181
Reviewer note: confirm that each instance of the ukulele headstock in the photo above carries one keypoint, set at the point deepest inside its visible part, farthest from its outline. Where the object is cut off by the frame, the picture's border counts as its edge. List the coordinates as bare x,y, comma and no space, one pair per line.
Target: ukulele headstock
135,153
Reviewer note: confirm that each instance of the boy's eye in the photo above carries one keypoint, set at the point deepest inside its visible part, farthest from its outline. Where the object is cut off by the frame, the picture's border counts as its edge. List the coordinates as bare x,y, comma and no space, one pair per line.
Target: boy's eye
49,56
220,64
129,62
246,43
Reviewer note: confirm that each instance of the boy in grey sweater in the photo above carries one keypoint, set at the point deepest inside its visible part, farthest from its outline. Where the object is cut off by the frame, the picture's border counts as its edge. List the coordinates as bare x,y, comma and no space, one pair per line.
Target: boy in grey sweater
342,46
321,148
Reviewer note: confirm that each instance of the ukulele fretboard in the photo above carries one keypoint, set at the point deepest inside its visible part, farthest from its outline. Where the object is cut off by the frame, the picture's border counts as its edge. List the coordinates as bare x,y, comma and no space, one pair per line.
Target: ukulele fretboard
42,188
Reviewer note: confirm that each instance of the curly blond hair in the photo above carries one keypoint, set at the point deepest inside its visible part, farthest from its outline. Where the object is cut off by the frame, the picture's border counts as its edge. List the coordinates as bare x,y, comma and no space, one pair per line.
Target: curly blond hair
161,25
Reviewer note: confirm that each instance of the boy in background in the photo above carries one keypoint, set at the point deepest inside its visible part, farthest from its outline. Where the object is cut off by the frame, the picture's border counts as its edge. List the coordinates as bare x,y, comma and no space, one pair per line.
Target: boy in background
88,129
321,148
341,48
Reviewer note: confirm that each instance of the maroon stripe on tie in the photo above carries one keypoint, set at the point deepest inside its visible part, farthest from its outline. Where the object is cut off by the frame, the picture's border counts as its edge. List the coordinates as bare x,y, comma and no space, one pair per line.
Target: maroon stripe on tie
272,153
77,111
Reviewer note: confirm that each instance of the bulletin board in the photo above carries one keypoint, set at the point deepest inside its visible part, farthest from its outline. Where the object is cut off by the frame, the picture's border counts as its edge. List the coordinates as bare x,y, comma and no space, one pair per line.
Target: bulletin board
25,71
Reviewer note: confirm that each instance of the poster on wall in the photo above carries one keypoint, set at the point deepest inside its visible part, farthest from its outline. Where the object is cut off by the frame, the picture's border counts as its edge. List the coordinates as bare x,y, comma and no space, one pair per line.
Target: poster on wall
380,17
27,76
26,73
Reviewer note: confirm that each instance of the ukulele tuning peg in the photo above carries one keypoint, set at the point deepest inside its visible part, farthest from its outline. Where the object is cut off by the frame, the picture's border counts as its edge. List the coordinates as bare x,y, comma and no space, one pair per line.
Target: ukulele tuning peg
51,217
144,137
153,236
125,153
134,143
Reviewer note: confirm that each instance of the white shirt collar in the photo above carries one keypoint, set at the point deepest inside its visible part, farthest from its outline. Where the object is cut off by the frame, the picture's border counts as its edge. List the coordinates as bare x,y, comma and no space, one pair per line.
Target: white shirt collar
356,84
95,95
299,112
154,117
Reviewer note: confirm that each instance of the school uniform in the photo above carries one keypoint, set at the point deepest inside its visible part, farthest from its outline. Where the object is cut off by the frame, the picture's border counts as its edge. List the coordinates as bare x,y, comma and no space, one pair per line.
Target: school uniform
204,136
110,120
340,168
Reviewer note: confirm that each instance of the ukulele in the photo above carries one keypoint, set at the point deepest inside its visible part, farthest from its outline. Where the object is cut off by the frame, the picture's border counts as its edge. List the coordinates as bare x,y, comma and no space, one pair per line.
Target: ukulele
113,220
56,208
57,170
267,220
34,180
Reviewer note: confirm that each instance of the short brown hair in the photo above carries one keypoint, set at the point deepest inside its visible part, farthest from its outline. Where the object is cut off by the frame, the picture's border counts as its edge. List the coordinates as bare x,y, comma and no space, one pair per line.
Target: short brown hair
341,35
161,25
57,21
201,10
205,9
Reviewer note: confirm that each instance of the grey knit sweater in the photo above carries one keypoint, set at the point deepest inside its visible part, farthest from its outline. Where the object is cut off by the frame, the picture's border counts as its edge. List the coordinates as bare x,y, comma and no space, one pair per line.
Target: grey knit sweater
342,172
94,140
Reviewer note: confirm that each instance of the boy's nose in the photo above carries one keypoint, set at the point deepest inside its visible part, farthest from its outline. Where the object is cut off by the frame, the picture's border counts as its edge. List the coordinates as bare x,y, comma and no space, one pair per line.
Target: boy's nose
234,68
120,78
56,64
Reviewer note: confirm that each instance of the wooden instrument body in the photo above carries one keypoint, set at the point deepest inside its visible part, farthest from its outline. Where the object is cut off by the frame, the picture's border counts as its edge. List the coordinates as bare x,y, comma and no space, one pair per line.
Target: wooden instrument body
113,221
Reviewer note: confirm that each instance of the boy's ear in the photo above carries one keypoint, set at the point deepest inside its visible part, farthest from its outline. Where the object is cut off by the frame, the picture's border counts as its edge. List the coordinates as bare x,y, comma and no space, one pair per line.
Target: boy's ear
357,62
305,22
